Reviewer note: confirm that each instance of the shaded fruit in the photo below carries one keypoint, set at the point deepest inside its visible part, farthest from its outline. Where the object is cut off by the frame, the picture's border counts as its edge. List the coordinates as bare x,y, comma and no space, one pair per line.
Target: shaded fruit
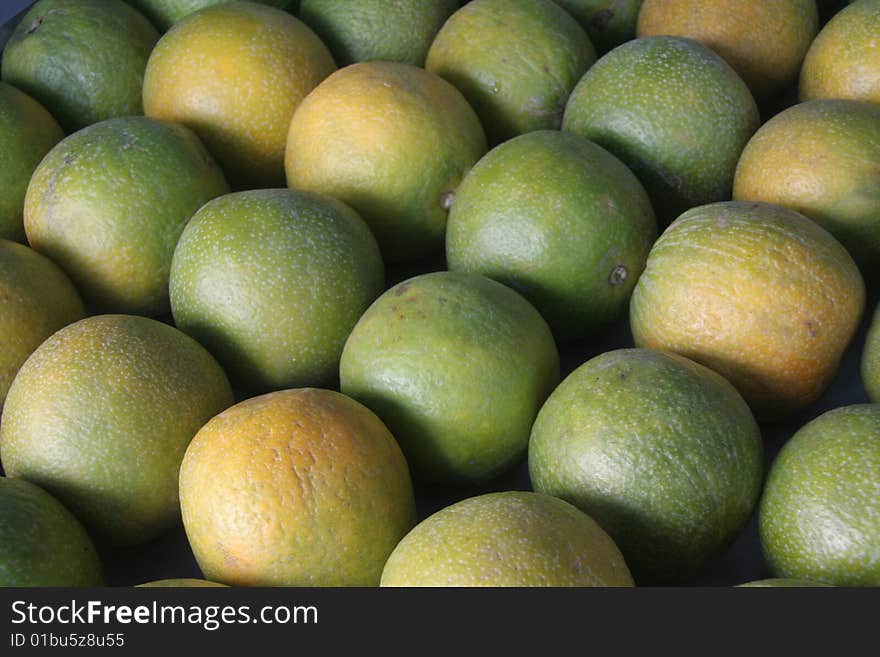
820,513
780,582
821,158
27,132
608,23
577,263
507,539
110,201
662,452
674,112
759,293
185,582
235,73
457,366
164,13
386,30
844,59
764,42
41,543
301,487
83,60
870,362
101,415
516,61
391,140
272,282
37,299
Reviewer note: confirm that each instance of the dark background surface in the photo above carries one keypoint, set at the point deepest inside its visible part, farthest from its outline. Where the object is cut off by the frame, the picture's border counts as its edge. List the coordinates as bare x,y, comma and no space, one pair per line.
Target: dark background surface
170,555
9,8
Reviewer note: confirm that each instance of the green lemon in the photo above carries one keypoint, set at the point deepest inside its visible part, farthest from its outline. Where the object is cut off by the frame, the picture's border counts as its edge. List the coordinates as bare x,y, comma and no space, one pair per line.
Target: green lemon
577,263
516,61
27,133
100,416
507,539
820,513
457,365
109,203
398,31
36,299
674,112
84,60
272,282
662,452
41,543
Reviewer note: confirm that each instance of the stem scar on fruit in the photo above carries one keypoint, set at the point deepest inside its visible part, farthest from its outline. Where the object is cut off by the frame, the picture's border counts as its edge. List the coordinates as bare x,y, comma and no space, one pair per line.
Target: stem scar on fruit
618,275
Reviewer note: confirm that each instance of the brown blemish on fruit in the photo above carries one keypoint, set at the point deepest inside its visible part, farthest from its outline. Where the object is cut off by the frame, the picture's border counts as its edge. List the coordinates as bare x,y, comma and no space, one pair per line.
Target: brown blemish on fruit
443,300
229,559
811,329
36,24
401,289
600,21
618,275
39,20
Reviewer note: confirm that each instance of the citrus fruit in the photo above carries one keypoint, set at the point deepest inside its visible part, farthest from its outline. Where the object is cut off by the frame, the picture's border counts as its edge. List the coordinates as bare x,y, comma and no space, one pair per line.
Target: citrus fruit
391,140
41,543
608,23
235,73
164,13
821,158
507,539
457,365
27,132
516,61
272,282
757,292
780,582
577,264
844,59
301,487
36,299
101,414
820,512
870,361
109,202
674,112
186,582
83,60
764,42
397,31
662,452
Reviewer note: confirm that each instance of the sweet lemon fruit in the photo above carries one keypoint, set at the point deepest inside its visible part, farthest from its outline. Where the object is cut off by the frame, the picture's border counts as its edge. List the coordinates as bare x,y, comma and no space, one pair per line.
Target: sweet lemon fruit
235,73
757,292
100,416
507,539
302,487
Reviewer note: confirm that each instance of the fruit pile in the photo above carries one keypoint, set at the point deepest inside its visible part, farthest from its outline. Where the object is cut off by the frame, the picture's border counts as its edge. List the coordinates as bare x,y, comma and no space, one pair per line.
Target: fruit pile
487,293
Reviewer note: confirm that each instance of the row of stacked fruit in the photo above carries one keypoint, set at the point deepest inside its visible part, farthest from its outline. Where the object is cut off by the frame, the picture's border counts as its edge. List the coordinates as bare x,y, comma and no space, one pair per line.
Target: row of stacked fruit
229,180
